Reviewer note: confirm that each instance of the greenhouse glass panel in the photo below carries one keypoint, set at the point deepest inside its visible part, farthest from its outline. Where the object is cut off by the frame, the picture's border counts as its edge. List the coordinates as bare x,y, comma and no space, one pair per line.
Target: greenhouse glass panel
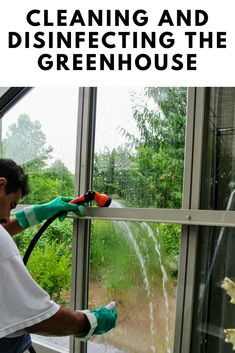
139,145
135,264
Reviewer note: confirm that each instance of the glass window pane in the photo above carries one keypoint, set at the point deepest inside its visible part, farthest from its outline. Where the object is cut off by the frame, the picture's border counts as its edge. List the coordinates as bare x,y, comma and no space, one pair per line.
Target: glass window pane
139,145
136,265
39,133
219,156
213,311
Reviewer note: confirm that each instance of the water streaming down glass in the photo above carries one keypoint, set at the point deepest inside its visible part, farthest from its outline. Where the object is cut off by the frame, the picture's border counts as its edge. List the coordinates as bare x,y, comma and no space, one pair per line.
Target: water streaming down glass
129,230
157,246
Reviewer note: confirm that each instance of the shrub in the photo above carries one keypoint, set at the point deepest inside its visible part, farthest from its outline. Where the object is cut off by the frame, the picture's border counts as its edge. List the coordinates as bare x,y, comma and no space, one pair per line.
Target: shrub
60,232
50,266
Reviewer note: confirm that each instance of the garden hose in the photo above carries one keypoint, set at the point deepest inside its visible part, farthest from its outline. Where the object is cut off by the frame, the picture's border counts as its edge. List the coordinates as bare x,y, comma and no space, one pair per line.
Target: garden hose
102,200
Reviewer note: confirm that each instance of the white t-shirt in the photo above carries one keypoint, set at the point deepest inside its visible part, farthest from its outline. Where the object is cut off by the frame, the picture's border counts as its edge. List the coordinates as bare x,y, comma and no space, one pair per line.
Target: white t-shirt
22,302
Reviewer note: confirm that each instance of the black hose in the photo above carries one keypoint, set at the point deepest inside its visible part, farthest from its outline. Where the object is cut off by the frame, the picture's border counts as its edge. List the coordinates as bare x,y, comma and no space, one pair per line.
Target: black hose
38,235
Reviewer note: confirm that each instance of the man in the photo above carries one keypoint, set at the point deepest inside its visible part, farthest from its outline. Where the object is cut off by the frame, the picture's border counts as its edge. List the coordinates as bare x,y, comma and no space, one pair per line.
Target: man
25,307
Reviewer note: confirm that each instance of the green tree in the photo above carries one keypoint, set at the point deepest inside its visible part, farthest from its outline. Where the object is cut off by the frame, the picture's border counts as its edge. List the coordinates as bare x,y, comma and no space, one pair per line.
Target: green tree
105,171
25,142
110,170
42,188
159,154
65,179
152,174
47,183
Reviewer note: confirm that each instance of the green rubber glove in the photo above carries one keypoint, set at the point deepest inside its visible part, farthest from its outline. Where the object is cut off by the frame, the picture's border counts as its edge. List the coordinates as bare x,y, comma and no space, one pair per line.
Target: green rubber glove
106,319
35,214
101,320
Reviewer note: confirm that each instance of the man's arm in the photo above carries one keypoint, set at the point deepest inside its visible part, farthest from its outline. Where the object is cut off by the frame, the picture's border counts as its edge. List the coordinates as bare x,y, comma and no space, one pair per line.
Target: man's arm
83,324
13,227
35,214
64,323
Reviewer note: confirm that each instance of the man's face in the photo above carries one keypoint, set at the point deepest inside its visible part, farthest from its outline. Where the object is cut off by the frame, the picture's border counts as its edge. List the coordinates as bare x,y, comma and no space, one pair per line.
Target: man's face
7,201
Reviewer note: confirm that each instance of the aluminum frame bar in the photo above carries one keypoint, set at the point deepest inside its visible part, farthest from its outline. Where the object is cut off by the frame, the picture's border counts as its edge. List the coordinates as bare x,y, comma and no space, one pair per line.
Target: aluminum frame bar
172,216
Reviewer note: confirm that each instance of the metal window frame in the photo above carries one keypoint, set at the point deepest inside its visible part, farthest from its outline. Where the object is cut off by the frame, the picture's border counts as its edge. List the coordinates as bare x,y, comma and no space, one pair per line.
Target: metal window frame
191,199
10,97
83,180
189,217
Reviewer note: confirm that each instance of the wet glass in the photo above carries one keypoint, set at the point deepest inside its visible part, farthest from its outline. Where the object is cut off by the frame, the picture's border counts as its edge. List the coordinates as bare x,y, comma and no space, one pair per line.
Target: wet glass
135,264
139,145
213,311
39,133
139,162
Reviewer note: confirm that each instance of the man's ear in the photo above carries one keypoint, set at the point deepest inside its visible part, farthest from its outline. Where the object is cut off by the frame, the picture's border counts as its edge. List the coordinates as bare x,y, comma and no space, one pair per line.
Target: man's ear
3,182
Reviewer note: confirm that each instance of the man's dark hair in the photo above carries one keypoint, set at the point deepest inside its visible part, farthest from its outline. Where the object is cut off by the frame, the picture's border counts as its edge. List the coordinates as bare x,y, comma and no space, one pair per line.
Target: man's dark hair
15,176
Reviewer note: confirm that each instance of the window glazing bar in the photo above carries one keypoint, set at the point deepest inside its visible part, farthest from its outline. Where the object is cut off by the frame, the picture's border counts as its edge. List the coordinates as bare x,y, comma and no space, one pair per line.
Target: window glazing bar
83,177
186,204
197,119
173,216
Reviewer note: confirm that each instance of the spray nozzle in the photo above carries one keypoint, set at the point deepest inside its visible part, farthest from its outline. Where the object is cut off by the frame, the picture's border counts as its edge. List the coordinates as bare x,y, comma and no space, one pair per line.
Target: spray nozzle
102,200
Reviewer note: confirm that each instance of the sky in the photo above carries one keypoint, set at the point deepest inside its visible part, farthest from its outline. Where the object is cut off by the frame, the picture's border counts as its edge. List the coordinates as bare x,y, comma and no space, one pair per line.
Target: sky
56,109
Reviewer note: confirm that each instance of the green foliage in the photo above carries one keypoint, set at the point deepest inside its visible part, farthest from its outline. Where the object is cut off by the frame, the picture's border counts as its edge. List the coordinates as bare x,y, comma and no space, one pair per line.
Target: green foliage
172,100
59,232
113,260
42,189
120,253
64,178
50,261
23,239
51,268
107,169
25,142
170,234
48,183
160,149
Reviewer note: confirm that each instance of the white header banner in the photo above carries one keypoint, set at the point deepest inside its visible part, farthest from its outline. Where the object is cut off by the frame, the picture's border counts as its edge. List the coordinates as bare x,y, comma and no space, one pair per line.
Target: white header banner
103,43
